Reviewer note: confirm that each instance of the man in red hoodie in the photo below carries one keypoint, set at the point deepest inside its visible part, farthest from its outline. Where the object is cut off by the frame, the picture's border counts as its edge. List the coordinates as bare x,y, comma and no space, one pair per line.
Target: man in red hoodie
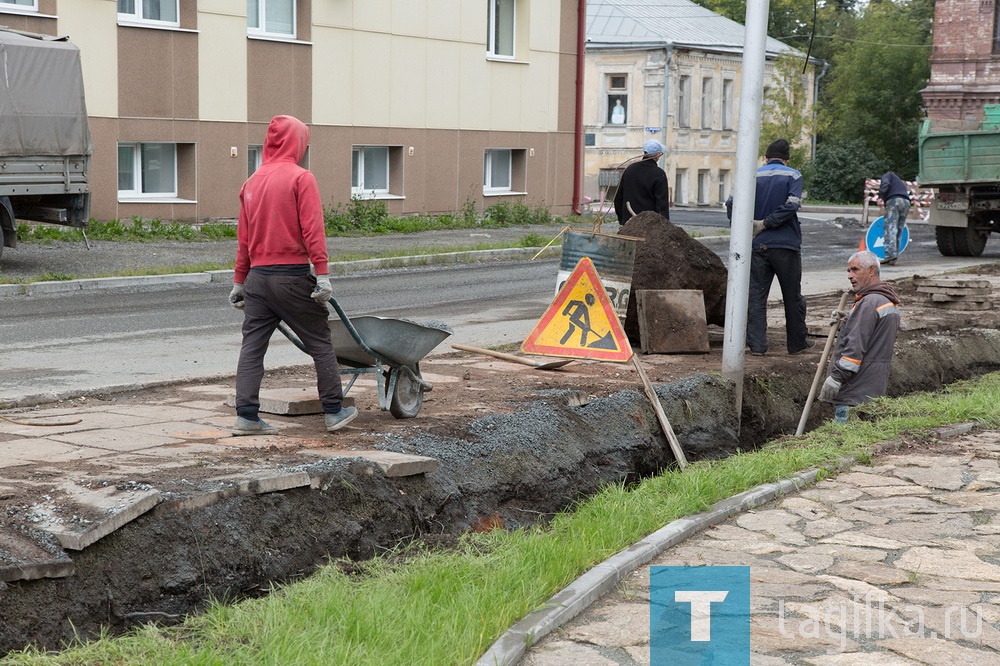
279,234
859,368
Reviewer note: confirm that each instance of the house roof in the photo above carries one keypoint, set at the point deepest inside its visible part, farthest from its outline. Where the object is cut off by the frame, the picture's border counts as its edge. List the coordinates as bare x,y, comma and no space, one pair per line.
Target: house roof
646,23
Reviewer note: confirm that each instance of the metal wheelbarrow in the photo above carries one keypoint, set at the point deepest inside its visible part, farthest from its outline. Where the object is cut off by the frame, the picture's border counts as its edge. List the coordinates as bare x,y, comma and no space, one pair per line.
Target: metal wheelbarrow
390,349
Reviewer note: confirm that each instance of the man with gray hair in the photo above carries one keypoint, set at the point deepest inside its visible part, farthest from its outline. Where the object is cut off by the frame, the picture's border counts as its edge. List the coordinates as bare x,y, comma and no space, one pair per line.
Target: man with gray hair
859,369
643,186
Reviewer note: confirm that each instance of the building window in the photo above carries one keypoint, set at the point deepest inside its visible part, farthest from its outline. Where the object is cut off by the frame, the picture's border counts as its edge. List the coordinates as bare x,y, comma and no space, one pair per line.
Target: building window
704,185
996,29
151,11
727,104
24,5
504,171
147,170
607,181
497,171
369,171
684,102
723,185
500,38
271,18
681,187
617,99
706,103
254,155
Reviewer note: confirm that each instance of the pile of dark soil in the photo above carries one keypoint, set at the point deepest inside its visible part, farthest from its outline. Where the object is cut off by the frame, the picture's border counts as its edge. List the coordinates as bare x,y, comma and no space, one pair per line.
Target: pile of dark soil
670,259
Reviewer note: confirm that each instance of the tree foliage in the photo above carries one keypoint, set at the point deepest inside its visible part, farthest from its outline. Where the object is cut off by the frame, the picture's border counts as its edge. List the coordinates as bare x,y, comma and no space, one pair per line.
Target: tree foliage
787,113
838,171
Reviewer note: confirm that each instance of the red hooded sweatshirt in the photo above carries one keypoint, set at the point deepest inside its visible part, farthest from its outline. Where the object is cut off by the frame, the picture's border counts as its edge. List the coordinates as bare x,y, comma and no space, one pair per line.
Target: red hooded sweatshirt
281,217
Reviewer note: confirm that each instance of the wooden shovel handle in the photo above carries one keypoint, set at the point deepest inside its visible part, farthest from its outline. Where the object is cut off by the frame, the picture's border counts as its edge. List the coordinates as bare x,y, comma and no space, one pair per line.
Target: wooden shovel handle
496,354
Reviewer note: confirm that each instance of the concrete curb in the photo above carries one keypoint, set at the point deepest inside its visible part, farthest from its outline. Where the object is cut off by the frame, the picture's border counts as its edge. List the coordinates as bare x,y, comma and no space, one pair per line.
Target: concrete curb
337,268
569,602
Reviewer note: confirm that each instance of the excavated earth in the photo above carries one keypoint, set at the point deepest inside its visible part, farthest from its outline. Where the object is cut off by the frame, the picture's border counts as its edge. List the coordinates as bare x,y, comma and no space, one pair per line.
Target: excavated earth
513,445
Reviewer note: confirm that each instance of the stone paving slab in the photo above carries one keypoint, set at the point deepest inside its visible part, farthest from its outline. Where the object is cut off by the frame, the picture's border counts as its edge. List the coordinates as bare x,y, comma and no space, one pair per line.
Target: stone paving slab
832,586
97,512
25,558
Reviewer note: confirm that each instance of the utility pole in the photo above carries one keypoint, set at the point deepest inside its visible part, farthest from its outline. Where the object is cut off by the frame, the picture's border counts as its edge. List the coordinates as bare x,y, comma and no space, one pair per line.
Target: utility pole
741,238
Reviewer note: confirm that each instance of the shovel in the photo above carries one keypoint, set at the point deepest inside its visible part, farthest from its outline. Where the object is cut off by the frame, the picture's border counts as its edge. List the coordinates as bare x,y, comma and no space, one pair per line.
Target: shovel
538,365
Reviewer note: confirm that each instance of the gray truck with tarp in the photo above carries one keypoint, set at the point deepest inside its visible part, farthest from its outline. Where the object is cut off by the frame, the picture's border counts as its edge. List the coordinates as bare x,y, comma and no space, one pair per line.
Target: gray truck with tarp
45,144
960,159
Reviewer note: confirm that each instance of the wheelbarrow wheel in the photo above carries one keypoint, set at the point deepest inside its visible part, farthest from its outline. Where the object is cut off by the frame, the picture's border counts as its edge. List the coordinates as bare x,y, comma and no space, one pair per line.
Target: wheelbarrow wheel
407,397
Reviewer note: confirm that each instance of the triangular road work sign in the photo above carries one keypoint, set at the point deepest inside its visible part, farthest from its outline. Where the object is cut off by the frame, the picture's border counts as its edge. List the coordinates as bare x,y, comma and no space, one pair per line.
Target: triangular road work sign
580,323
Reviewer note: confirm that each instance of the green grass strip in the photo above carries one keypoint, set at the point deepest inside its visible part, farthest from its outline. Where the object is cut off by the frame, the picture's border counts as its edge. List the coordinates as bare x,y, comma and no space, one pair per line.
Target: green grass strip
447,607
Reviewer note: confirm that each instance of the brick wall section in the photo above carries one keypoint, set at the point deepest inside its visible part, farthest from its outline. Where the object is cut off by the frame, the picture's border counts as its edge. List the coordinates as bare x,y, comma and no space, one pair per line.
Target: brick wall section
965,73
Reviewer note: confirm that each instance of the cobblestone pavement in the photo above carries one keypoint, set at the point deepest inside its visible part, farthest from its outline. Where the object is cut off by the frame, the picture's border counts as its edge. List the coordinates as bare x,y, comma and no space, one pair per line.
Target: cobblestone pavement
897,563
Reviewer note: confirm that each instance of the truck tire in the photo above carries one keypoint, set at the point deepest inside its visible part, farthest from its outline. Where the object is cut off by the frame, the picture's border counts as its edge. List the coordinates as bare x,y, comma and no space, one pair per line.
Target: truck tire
960,241
970,242
945,237
1,240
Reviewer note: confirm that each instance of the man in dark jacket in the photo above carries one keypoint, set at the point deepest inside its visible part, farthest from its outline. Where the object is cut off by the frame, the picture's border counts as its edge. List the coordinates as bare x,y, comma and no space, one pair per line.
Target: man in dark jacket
859,368
643,186
777,243
896,199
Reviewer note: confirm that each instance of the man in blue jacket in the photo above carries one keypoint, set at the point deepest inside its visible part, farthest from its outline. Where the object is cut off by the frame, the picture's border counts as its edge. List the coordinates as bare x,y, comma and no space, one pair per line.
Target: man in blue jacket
777,243
896,199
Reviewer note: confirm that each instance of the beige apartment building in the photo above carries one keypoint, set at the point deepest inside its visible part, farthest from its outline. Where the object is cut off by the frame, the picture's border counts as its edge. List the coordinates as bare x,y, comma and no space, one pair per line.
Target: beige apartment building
668,70
427,104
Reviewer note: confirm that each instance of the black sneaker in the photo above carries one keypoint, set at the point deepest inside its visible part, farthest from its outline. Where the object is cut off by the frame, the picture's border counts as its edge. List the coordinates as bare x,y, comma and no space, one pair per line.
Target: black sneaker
809,345
757,353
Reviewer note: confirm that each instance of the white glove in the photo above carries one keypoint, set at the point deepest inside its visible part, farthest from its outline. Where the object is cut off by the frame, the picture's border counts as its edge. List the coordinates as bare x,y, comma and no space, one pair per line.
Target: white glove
758,226
236,296
838,317
831,387
323,290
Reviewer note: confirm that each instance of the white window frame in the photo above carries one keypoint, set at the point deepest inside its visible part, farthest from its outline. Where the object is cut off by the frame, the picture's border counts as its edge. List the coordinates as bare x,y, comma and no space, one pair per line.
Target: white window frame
358,188
704,186
255,155
137,173
681,187
614,93
18,8
728,100
706,102
261,29
723,185
136,15
488,187
492,48
684,101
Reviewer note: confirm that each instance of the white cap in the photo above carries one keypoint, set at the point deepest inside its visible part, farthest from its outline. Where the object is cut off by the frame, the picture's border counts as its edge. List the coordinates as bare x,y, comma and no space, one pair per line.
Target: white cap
652,147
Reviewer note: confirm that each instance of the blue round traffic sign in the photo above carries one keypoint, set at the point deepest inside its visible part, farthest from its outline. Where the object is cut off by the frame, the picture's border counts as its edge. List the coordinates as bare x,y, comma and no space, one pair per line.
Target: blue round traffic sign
875,238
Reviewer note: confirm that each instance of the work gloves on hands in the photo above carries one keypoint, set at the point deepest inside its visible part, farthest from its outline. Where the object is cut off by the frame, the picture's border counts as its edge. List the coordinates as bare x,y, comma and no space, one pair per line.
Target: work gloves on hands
758,226
323,290
837,317
236,296
831,387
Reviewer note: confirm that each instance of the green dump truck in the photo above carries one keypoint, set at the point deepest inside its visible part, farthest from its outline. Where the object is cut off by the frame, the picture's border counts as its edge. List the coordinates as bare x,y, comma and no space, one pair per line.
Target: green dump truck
961,161
45,144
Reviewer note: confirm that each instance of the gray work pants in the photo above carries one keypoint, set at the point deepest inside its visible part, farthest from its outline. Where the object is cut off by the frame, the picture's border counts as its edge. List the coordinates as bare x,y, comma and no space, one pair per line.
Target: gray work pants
270,299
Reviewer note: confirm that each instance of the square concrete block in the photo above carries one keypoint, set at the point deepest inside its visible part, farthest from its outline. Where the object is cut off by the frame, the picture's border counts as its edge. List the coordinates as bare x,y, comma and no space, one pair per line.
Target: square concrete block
671,321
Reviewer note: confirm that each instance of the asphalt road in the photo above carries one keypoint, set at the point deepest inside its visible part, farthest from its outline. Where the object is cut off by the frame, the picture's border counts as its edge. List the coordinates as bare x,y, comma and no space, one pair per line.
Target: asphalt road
53,345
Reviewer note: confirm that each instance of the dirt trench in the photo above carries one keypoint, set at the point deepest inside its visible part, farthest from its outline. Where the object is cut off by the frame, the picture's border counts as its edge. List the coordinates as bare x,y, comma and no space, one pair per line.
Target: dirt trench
534,455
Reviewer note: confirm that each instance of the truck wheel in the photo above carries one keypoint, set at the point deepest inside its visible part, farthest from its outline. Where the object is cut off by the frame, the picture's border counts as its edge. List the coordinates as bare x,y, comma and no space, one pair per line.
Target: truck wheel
970,242
1,240
945,237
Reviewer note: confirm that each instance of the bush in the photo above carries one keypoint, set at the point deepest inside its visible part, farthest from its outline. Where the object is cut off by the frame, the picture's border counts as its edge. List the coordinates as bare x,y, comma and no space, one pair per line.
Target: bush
838,172
516,214
360,216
